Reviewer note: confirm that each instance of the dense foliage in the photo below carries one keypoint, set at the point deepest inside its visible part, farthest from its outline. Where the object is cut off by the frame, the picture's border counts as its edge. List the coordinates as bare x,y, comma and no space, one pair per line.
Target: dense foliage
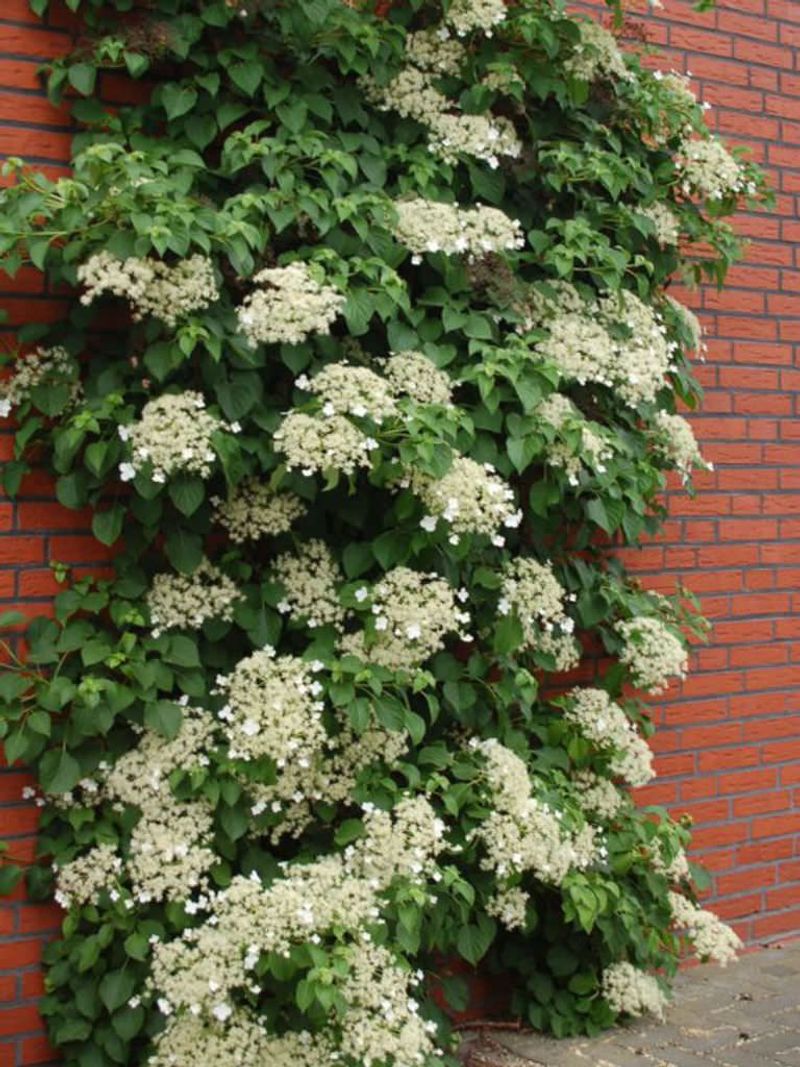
370,361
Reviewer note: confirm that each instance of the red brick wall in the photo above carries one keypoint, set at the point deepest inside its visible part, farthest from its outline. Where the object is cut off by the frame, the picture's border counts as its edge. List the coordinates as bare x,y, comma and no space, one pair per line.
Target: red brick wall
729,739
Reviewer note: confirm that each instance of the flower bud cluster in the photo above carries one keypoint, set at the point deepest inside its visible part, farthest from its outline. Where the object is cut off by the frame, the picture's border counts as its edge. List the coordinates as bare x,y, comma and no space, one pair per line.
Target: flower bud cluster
665,222
468,16
675,440
598,797
630,991
596,55
186,601
317,444
273,709
253,510
82,880
509,906
708,169
412,612
531,592
583,347
168,852
431,226
652,653
412,93
605,724
50,366
151,287
711,937
348,390
523,833
413,374
173,434
288,306
470,498
310,580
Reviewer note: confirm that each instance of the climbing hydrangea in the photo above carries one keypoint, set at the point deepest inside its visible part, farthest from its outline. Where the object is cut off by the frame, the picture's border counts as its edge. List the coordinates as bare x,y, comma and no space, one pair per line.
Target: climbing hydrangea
372,321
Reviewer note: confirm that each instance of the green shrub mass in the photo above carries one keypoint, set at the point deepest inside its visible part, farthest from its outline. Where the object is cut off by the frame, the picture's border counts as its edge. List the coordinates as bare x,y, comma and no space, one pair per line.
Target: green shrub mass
370,362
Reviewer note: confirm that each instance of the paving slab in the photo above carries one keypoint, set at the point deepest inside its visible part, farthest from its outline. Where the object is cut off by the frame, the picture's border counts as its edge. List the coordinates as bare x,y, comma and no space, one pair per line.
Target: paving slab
745,1015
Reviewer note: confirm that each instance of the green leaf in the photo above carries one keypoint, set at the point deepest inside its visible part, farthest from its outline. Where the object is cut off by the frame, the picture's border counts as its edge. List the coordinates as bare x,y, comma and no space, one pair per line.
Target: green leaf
10,876
475,938
59,772
246,76
107,525
116,988
562,961
184,550
187,493
164,717
177,99
83,78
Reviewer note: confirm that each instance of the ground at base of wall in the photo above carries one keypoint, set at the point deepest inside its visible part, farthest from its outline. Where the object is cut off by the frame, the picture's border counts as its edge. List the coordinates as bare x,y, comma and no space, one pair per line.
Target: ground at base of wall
745,1015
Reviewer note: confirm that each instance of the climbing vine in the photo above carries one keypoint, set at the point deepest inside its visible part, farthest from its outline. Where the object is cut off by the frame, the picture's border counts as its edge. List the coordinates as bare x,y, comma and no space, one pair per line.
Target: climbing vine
370,364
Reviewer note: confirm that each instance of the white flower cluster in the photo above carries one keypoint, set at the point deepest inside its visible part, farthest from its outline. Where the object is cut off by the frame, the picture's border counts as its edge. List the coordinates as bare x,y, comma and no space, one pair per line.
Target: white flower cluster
413,374
676,442
692,324
169,855
253,510
382,1022
675,868
596,54
665,222
531,592
522,833
83,879
150,286
583,348
598,797
679,87
712,938
413,95
708,169
330,443
173,433
186,601
331,778
310,581
435,51
289,306
273,709
466,16
238,1039
509,905
413,612
431,226
652,653
348,390
592,449
630,991
200,970
469,498
54,366
603,722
